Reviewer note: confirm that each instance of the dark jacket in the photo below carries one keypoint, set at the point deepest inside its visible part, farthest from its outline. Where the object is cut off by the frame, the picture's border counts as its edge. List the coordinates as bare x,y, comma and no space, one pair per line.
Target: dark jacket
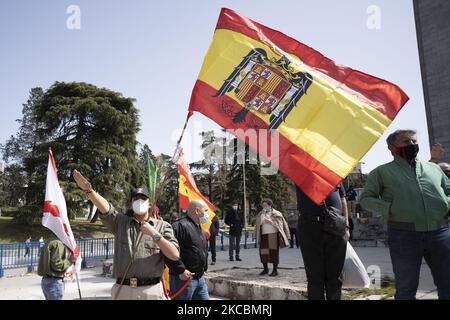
53,261
193,248
214,228
235,219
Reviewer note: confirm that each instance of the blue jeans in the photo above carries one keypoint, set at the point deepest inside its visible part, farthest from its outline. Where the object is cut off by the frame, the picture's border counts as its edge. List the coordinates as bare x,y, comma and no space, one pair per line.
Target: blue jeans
407,248
196,290
53,288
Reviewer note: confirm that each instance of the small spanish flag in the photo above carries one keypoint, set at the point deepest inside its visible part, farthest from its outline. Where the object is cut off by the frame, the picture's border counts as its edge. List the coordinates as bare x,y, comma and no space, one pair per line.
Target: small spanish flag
326,116
188,191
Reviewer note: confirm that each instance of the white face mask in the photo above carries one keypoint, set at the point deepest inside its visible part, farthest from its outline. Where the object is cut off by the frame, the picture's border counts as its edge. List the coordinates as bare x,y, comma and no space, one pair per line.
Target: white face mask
140,207
235,207
204,218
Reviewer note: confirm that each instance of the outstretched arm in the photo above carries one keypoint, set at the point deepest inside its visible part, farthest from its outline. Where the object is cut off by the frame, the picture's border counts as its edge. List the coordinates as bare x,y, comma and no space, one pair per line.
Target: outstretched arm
100,202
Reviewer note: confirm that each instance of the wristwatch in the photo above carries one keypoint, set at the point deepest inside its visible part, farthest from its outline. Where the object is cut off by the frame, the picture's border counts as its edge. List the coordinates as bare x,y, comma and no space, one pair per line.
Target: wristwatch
157,237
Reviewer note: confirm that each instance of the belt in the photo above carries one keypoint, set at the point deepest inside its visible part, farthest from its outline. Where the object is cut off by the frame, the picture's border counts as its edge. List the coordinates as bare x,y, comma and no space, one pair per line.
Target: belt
312,217
139,282
60,278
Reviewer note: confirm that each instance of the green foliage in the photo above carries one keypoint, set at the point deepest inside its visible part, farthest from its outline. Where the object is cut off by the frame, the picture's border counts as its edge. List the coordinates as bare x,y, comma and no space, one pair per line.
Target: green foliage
88,128
12,231
166,186
9,211
166,193
12,190
222,181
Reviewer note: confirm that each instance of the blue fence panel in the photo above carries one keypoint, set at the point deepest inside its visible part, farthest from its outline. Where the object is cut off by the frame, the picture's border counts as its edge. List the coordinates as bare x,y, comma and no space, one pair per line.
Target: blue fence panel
26,255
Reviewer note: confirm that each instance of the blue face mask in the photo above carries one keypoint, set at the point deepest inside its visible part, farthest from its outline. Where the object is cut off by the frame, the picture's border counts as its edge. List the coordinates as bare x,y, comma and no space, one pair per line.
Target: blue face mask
204,218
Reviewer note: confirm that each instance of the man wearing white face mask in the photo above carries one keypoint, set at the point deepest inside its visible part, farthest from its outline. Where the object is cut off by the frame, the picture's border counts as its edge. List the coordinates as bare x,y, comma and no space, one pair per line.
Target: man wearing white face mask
138,263
193,254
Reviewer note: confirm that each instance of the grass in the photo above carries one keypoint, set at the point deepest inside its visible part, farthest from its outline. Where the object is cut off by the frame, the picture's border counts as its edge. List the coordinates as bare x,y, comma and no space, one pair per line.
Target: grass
13,232
386,290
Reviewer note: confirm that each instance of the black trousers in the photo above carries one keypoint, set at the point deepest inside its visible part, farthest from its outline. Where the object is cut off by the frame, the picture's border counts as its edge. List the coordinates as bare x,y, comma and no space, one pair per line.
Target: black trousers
294,234
323,256
212,247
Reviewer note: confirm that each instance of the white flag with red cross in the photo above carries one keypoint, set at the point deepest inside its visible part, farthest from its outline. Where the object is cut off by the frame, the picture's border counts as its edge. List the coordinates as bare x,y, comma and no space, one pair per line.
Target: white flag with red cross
55,210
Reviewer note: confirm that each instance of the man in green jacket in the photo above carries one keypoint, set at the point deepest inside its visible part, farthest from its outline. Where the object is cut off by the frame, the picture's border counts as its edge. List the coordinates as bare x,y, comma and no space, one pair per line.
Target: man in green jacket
413,197
53,263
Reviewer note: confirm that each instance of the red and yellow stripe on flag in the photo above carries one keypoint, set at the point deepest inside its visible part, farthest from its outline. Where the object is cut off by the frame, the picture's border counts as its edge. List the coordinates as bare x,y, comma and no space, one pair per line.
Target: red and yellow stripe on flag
327,116
188,192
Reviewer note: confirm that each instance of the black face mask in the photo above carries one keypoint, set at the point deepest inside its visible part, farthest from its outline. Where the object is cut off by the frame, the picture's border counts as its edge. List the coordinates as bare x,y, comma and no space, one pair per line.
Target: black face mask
408,152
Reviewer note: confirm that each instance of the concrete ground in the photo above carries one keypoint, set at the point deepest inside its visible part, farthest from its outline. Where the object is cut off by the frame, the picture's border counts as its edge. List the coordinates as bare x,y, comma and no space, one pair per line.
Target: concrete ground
227,279
292,274
28,286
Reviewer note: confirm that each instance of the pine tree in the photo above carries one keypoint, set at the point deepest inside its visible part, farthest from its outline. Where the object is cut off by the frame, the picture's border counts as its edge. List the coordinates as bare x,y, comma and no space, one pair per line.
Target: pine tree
88,128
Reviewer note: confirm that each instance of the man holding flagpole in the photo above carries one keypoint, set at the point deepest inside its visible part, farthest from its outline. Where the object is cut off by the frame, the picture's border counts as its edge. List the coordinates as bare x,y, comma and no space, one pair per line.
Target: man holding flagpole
141,243
54,262
190,269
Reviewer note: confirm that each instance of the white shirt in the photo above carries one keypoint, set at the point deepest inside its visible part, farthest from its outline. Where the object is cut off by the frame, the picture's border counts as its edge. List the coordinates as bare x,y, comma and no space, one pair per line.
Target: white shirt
267,227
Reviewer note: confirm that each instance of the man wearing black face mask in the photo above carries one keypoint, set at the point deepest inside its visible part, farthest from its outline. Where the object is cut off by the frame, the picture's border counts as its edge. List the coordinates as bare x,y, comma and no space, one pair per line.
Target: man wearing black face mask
413,196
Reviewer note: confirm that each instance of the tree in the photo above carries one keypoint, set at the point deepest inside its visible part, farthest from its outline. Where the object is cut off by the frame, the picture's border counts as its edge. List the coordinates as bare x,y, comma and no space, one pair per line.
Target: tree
12,186
211,173
167,186
88,128
258,186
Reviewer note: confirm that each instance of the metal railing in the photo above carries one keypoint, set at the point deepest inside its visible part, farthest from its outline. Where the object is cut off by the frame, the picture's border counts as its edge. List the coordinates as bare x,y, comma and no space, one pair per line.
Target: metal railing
26,255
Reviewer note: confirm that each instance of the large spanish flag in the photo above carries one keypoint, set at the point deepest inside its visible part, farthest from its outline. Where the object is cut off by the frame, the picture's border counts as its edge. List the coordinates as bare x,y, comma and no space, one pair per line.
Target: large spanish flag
326,116
188,191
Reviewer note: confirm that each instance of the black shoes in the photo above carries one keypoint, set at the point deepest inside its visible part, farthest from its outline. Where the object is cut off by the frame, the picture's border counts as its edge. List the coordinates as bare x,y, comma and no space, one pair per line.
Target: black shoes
265,271
213,263
274,273
231,259
238,259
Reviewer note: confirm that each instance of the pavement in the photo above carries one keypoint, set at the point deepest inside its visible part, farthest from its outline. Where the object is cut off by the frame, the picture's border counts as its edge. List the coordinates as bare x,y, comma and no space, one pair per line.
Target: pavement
226,279
292,273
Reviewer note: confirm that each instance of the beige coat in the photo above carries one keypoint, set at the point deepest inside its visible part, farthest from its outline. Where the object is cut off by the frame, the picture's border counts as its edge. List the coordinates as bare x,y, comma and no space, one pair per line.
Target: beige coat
279,223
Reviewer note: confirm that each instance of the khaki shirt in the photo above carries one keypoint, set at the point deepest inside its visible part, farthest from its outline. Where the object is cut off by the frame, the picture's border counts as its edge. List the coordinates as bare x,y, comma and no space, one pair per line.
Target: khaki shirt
148,259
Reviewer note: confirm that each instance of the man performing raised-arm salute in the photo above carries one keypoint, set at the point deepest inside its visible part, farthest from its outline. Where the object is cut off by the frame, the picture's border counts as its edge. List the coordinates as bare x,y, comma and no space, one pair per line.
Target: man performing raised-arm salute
141,242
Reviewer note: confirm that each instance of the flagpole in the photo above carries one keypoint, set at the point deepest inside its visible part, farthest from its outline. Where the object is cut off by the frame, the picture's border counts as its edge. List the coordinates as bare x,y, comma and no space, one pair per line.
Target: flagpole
182,134
78,282
245,194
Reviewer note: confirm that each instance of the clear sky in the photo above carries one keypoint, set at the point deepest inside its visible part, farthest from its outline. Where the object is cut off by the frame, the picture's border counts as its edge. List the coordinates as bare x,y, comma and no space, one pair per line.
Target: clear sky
153,51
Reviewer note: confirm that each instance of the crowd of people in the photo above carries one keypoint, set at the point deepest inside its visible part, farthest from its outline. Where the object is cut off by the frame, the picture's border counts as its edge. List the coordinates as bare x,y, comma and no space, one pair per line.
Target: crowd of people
412,195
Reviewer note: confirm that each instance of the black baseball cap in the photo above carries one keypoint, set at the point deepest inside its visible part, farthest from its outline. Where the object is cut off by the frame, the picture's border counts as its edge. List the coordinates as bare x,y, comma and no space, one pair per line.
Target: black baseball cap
140,192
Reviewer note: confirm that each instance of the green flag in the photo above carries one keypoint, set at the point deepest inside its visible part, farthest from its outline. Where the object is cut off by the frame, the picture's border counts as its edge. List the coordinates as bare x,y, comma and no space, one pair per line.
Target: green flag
152,173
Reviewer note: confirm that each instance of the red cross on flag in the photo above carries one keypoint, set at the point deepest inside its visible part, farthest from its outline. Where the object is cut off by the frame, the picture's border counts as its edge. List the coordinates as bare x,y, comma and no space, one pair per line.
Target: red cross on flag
55,210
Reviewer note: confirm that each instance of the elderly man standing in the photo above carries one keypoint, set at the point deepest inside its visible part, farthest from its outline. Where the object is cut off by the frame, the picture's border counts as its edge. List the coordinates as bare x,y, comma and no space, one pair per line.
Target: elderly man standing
141,243
193,254
413,196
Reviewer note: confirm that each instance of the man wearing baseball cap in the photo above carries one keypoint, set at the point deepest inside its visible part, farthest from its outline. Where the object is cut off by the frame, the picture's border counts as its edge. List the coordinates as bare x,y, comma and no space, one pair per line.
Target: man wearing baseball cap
141,242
